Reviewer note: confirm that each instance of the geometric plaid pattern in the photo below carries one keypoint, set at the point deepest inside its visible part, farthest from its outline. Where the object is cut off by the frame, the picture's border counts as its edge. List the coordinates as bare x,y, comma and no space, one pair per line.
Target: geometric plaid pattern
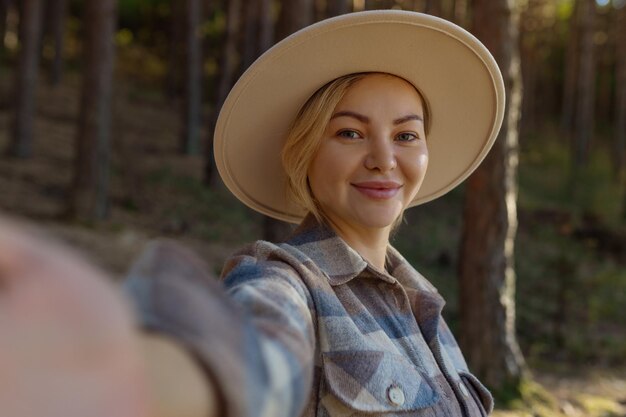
309,328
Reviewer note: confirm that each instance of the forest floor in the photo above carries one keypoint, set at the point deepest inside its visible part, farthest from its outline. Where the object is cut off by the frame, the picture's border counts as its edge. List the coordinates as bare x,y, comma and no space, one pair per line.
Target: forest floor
156,192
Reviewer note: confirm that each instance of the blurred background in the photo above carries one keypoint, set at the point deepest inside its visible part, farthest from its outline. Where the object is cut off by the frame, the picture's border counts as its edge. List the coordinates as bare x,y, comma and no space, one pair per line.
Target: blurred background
107,109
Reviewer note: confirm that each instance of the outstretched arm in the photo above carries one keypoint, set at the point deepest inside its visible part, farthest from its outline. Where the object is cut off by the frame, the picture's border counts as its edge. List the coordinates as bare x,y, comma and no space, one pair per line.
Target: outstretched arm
69,348
255,336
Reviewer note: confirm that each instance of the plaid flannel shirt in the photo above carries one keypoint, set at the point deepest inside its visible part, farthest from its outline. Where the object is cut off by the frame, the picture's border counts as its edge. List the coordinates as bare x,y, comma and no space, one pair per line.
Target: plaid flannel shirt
309,328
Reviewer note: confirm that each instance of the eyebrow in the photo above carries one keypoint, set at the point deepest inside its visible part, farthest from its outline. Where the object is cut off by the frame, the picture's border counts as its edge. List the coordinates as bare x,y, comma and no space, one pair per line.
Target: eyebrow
408,118
365,119
347,113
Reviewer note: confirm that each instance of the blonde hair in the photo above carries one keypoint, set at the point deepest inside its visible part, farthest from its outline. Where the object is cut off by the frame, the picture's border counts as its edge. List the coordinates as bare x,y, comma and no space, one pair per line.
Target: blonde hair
305,134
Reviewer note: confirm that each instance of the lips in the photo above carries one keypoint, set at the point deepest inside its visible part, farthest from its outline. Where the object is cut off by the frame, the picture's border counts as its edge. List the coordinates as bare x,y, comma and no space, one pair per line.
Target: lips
378,190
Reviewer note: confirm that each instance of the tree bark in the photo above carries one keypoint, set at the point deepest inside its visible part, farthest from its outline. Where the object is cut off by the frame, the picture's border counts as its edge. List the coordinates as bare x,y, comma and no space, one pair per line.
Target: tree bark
319,9
338,7
91,170
460,12
620,103
26,79
294,15
266,25
358,5
585,87
174,79
433,7
230,58
259,30
20,12
57,30
190,134
571,72
227,71
251,30
4,12
486,265
529,63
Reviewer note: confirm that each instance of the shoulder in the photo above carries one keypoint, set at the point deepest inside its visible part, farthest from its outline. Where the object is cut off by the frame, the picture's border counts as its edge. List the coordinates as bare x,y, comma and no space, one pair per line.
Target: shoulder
264,261
262,255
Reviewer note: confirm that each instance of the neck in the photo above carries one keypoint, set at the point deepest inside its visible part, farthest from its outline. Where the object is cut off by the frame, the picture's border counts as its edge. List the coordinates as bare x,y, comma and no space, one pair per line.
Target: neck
370,243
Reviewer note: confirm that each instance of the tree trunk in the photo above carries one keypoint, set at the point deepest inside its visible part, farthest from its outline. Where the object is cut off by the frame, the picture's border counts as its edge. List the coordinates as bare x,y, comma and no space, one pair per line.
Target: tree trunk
251,30
583,119
91,171
57,30
620,103
338,7
571,72
4,12
26,79
259,30
433,7
227,71
20,12
417,6
294,15
190,134
319,9
379,4
486,267
174,78
460,12
266,25
529,67
358,5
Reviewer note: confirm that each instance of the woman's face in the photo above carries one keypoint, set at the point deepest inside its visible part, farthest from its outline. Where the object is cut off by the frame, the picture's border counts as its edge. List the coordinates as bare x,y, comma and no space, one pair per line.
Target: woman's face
373,155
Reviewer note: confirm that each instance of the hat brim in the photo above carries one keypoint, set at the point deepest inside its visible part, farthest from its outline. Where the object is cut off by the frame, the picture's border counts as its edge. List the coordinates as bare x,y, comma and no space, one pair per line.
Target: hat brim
455,73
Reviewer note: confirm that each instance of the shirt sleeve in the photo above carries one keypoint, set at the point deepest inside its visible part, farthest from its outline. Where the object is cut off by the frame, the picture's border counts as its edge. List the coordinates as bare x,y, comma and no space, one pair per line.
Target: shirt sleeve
253,335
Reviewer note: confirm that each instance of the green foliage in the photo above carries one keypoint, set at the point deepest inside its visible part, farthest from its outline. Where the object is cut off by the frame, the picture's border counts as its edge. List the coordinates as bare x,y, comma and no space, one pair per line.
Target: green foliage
531,396
213,215
565,9
547,181
571,292
133,13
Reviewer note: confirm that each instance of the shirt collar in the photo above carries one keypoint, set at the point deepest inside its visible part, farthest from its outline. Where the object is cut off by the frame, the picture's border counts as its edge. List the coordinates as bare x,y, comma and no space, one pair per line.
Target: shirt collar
341,263
406,275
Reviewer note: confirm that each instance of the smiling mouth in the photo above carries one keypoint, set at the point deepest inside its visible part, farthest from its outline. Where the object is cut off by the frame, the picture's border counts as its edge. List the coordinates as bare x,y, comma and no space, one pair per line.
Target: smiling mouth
378,190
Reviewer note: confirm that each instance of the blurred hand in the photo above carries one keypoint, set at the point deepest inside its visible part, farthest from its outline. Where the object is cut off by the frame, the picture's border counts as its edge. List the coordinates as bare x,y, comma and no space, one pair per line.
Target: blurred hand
67,344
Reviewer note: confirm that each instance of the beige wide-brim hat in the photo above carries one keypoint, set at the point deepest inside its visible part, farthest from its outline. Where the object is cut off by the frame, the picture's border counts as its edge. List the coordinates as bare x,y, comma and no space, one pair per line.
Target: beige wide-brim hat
456,74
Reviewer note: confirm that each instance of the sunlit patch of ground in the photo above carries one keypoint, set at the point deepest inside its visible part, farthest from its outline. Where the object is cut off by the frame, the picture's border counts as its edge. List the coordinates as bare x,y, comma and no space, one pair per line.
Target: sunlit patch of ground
582,393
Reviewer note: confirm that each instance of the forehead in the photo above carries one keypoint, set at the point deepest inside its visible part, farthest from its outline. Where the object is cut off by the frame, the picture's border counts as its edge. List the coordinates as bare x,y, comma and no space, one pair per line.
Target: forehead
384,89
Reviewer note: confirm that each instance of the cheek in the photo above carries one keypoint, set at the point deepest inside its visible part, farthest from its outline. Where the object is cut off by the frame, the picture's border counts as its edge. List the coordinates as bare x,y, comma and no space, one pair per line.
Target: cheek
416,165
325,169
318,178
422,163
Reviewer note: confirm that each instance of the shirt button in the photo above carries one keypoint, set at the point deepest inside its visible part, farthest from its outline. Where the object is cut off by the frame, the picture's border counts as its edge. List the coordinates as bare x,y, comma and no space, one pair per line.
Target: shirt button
395,395
463,389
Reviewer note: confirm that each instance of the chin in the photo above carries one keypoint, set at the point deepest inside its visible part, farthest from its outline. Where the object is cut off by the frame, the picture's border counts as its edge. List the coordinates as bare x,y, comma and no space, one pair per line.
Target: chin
379,220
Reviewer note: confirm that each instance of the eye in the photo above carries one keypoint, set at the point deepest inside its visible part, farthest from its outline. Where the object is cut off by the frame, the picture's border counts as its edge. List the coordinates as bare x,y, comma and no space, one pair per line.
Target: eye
349,134
406,137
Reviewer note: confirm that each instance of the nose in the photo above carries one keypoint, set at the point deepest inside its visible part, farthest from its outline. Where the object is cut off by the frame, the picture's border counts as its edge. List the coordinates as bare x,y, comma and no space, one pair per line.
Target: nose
380,156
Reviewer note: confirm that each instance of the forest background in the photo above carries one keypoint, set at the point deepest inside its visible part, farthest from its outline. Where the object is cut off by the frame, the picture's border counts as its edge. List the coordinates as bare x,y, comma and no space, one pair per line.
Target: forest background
106,115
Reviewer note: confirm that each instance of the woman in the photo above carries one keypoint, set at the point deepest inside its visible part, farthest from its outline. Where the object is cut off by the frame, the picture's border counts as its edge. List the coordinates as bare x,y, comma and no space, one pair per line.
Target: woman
341,127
